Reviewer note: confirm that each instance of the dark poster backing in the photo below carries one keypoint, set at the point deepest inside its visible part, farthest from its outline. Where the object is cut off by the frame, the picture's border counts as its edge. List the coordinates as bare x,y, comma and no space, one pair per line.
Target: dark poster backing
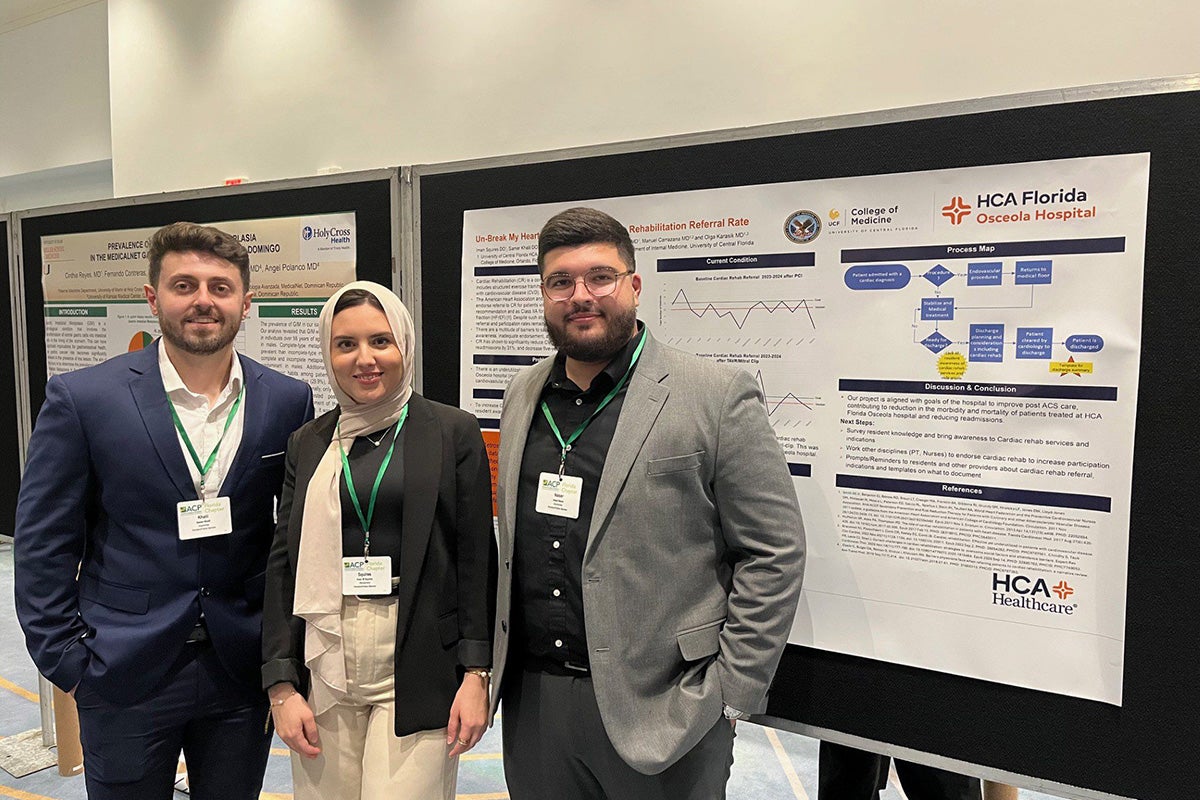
10,453
1147,747
370,200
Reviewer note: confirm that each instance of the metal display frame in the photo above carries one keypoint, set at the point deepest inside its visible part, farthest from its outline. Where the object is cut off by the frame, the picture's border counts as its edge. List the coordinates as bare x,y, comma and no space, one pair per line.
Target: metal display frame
20,330
909,114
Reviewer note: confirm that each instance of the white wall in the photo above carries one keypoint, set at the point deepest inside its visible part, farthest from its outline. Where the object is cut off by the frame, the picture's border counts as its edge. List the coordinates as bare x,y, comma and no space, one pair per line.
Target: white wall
203,90
77,183
54,93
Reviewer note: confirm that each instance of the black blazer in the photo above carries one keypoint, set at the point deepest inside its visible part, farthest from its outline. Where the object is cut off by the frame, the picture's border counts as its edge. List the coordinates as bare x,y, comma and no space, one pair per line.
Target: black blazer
447,562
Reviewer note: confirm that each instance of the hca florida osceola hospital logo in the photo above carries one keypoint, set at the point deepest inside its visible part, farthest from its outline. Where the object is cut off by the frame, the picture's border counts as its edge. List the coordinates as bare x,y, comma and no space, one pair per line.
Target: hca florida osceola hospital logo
1025,592
956,210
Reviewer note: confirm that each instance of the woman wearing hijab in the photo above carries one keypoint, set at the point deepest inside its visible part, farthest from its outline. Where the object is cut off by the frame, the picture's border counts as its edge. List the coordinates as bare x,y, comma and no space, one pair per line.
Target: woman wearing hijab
381,579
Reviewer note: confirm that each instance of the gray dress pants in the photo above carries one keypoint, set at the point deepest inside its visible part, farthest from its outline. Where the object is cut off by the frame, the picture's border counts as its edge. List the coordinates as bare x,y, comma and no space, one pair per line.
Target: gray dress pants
555,747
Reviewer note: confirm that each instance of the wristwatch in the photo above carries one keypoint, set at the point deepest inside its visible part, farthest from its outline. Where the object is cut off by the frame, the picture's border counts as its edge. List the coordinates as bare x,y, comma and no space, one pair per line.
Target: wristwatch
732,713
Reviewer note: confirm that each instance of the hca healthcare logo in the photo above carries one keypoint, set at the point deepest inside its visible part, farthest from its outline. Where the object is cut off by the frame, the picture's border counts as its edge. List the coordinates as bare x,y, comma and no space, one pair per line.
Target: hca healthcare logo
1032,593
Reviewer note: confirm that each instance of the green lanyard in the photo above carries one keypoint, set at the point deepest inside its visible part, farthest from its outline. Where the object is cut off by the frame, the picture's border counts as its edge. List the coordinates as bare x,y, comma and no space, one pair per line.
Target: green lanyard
365,520
204,468
566,444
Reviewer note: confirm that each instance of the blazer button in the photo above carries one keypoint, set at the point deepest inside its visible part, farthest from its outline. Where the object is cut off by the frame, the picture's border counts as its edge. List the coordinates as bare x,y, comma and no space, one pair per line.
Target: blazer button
204,592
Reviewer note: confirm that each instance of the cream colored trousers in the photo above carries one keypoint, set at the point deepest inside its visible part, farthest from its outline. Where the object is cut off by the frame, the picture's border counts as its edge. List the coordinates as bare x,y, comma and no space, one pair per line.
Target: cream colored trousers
361,756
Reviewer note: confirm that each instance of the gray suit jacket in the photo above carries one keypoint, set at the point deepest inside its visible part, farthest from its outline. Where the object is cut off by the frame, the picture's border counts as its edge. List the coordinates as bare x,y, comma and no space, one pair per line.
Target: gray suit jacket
695,554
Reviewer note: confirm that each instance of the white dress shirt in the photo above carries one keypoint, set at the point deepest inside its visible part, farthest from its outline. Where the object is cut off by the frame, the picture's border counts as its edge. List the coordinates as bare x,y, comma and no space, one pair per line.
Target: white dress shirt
204,422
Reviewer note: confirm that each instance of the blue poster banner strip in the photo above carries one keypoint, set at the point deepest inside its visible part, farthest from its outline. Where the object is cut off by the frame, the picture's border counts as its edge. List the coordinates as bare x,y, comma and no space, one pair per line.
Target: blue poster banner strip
520,269
760,261
507,360
992,494
1041,390
800,470
976,250
487,394
489,424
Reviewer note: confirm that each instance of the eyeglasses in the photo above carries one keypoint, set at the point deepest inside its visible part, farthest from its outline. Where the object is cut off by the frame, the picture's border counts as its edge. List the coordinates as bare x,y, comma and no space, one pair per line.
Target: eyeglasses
600,282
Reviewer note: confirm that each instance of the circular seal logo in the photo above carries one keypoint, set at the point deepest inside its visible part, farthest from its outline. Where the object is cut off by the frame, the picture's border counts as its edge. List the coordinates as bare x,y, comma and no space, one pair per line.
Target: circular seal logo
802,227
307,233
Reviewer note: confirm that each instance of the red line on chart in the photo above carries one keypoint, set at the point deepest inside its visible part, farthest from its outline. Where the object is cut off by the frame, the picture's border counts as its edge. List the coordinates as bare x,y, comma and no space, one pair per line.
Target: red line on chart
758,376
728,311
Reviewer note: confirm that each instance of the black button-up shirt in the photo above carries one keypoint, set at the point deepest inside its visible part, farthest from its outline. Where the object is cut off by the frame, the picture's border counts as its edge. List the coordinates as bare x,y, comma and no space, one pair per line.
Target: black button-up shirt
548,550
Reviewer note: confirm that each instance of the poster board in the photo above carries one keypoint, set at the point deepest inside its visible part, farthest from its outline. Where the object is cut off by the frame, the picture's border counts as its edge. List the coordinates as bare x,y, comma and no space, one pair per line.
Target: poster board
1141,748
10,457
964,461
96,234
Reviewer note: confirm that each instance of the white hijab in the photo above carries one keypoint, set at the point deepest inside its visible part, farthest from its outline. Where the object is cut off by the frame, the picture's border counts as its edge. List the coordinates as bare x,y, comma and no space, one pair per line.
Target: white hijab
318,597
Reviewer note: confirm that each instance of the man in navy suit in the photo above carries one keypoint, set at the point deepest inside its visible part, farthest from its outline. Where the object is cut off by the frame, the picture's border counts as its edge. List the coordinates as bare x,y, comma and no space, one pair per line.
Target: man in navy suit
145,514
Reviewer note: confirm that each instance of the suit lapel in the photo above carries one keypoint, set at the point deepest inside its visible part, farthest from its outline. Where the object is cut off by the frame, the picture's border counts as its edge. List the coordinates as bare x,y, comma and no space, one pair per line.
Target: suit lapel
644,400
519,407
254,422
422,470
151,400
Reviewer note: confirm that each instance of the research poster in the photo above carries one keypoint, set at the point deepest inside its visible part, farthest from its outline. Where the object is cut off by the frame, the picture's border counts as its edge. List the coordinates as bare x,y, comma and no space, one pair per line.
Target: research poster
950,362
96,308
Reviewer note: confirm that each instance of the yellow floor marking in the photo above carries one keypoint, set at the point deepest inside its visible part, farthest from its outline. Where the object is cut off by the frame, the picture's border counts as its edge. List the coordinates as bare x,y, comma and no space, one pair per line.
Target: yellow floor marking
786,763
280,751
274,796
19,691
486,796
17,794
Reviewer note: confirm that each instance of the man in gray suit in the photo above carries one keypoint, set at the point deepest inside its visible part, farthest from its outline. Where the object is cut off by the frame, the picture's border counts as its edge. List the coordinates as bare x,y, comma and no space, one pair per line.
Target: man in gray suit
651,540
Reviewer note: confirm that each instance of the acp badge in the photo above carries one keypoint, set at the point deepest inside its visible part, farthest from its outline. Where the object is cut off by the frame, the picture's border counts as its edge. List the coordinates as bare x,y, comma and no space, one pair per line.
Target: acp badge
802,227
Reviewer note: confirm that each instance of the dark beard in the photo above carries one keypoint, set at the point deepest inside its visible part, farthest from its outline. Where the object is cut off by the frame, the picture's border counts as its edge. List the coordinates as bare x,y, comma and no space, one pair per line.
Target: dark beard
618,332
198,346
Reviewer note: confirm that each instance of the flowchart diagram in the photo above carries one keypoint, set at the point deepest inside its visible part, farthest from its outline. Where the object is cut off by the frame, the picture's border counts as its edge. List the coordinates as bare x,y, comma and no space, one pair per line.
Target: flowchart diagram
959,311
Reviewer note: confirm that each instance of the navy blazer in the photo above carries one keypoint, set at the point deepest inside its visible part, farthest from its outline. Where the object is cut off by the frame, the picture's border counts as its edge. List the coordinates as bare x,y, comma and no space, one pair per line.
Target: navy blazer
104,474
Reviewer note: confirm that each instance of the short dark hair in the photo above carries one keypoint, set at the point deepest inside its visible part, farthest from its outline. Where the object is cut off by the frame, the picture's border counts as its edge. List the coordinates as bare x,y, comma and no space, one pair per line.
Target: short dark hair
580,226
183,237
356,297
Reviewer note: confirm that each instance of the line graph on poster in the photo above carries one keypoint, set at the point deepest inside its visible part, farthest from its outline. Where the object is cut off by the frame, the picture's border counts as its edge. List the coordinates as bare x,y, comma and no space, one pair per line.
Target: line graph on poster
787,407
702,312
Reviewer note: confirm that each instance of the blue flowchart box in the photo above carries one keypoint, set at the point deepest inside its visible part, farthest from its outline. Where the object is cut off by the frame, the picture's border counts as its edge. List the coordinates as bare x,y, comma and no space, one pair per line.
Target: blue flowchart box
1035,342
987,342
1031,272
985,273
937,308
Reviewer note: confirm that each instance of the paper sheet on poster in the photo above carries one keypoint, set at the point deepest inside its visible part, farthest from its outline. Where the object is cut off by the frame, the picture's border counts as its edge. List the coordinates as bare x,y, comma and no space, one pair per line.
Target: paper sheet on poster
950,362
95,307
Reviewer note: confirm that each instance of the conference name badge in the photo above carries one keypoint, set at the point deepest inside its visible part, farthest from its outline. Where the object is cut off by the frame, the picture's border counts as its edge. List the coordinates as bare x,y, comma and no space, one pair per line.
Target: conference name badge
367,575
558,495
198,519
